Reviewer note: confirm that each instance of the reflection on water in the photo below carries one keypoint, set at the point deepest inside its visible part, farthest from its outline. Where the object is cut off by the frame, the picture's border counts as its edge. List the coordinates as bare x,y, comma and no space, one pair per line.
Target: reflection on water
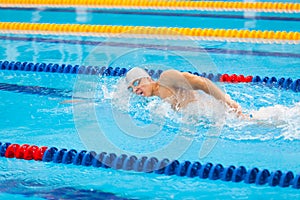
29,189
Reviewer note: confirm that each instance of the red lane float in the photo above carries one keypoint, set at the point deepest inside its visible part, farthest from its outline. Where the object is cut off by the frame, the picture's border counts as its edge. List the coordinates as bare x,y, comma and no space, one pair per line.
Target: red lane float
25,152
234,78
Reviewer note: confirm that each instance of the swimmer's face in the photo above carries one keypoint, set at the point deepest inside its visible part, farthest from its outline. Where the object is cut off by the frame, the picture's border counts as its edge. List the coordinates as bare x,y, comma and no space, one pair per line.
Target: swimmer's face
141,87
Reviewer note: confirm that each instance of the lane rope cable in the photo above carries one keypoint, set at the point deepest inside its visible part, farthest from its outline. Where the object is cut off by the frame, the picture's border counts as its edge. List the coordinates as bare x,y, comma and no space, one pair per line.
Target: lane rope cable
281,7
151,165
252,36
280,83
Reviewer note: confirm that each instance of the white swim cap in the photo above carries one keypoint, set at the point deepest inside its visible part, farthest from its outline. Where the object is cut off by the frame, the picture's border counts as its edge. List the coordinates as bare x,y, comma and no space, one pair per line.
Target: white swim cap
136,73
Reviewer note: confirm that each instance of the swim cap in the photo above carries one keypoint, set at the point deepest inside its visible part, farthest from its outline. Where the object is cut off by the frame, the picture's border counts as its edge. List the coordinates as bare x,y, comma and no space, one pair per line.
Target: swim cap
136,73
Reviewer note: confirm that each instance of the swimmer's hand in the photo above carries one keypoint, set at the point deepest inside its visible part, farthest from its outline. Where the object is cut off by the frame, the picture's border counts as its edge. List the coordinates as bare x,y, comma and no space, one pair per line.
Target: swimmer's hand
237,109
233,105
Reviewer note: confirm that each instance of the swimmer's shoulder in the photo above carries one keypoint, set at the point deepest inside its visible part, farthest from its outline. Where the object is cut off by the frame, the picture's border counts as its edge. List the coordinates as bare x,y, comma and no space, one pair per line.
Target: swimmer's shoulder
176,79
178,75
170,73
170,76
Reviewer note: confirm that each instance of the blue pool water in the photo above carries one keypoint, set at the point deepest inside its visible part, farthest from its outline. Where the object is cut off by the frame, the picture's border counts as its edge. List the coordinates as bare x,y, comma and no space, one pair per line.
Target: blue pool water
44,119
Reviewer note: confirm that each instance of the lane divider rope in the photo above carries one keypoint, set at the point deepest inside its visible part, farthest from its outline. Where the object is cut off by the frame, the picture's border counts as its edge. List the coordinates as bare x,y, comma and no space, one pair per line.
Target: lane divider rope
255,36
163,5
151,165
281,83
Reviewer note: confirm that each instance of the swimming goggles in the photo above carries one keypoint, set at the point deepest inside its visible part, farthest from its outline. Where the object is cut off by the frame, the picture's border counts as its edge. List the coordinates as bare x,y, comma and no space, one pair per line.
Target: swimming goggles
134,84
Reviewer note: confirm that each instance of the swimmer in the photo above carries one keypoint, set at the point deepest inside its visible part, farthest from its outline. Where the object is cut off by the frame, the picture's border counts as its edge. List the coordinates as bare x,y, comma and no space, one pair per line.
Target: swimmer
177,88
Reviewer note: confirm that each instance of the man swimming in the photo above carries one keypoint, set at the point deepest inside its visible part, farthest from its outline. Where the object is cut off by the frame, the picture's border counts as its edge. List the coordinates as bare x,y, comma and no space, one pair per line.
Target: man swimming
177,88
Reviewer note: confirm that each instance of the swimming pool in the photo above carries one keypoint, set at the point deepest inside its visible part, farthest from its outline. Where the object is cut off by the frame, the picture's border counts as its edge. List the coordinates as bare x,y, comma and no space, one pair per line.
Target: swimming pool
34,111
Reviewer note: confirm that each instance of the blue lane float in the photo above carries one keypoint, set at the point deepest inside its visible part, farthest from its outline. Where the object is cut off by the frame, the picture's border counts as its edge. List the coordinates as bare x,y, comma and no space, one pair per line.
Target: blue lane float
151,165
280,83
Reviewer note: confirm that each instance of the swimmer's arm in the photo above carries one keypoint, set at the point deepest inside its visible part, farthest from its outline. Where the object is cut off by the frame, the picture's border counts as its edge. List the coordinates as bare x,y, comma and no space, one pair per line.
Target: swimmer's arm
185,80
206,85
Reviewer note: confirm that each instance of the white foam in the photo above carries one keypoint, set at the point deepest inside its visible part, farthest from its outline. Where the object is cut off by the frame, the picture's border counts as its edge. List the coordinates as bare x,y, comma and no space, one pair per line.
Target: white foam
268,123
286,118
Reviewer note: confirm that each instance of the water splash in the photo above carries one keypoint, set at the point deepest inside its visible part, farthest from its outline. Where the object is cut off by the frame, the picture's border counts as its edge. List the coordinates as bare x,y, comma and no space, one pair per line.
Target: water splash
268,122
286,118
